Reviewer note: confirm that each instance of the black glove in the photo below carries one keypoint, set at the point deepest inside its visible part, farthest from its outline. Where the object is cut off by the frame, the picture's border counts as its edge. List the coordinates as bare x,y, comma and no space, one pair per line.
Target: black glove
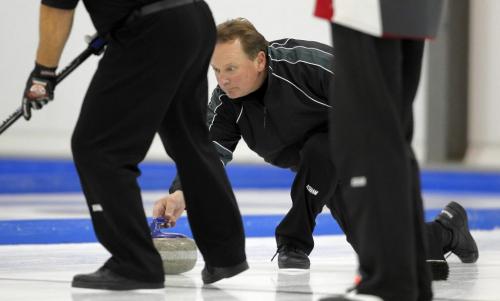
39,89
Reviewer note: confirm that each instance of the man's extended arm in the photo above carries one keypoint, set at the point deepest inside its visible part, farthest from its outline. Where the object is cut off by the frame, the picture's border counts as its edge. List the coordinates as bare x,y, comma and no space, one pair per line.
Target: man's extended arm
225,135
55,26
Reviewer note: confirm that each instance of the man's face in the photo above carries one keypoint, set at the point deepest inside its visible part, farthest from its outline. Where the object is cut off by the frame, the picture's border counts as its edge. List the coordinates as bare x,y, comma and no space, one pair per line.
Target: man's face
237,74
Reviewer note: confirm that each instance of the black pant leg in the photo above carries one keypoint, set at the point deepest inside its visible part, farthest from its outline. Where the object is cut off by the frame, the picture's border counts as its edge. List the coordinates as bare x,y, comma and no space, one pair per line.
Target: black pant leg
211,206
426,243
312,188
371,153
110,139
412,51
437,240
125,105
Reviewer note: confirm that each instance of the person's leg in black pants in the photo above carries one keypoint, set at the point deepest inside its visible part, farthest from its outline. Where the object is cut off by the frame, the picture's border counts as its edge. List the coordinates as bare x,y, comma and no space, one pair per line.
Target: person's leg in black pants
438,238
372,155
313,185
116,126
211,207
412,54
127,102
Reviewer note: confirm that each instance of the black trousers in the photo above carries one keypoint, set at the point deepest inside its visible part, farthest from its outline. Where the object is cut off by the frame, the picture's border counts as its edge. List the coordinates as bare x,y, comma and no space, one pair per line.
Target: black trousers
312,189
152,79
316,185
371,131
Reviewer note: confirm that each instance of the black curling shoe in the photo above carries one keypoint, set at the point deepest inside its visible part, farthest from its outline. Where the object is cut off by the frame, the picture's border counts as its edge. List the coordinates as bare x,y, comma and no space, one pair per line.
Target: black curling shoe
290,257
454,218
107,280
211,274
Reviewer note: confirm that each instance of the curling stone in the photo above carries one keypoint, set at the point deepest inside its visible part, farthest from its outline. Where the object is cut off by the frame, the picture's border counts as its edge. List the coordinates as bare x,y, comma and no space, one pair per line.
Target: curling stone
178,252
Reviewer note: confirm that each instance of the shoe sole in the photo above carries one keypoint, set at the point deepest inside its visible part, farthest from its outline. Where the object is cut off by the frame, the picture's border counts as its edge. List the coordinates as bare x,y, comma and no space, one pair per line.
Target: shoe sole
294,266
116,286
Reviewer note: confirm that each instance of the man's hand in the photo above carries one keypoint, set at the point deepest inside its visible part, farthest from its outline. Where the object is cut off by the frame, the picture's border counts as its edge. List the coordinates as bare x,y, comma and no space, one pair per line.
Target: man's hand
39,89
170,207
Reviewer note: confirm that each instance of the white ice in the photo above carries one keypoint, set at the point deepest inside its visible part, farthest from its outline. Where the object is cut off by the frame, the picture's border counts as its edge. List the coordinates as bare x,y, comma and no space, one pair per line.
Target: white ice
44,272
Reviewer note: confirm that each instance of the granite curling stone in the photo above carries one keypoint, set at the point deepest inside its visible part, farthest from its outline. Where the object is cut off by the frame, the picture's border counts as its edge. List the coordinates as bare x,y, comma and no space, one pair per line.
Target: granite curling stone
178,252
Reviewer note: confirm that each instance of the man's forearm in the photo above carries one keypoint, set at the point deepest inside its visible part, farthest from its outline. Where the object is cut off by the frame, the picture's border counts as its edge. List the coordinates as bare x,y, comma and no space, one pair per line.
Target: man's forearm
55,26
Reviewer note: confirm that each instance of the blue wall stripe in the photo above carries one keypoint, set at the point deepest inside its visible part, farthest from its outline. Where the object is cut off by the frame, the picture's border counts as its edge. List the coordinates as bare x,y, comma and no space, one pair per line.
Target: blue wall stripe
41,176
81,230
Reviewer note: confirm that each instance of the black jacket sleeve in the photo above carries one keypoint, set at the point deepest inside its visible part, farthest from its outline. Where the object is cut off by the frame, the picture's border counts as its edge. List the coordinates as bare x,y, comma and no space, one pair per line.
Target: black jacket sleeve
223,131
222,126
62,4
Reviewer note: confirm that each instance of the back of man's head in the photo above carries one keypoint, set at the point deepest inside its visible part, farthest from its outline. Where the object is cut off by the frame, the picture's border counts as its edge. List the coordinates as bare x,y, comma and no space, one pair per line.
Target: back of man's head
251,40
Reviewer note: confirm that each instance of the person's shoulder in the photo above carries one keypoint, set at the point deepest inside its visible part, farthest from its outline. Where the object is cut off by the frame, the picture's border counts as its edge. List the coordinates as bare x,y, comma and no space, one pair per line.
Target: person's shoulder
287,43
220,102
217,94
299,45
291,42
289,47
289,55
280,42
217,98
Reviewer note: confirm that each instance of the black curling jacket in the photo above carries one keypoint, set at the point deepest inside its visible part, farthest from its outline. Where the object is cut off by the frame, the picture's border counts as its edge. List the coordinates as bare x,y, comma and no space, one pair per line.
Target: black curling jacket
277,119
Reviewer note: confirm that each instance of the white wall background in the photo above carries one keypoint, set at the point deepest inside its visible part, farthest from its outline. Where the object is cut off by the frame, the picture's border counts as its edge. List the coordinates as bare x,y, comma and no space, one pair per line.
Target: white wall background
48,133
484,84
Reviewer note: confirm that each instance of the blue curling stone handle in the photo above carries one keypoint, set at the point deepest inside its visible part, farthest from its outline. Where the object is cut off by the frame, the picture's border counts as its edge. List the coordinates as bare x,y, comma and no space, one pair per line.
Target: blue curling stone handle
156,227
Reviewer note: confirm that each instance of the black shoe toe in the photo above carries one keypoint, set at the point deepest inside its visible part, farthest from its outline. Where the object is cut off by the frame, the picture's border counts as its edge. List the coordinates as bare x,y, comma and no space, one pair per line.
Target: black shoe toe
292,258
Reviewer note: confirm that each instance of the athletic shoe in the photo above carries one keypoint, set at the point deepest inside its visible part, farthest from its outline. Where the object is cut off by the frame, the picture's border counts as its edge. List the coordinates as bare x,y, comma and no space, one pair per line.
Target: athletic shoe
454,218
290,257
